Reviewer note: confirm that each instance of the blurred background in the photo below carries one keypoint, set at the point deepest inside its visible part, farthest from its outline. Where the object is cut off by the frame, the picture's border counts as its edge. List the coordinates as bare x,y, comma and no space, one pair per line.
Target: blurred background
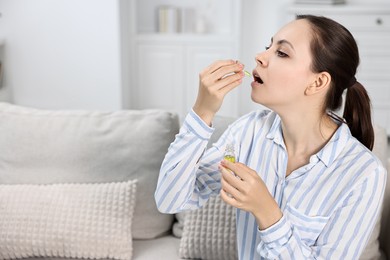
140,54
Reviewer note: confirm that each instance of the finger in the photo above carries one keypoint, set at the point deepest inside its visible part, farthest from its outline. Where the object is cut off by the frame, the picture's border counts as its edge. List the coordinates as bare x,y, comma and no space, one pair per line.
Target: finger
231,178
227,198
216,65
234,167
231,181
237,168
218,81
228,71
231,86
222,87
229,83
230,193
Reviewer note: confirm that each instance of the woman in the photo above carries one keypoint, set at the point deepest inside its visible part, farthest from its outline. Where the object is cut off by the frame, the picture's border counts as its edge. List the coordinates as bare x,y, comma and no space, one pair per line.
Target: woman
306,185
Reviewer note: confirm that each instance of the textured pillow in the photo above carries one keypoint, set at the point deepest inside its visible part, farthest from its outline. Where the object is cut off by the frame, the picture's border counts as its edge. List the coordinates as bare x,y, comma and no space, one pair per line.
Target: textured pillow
210,232
67,146
67,220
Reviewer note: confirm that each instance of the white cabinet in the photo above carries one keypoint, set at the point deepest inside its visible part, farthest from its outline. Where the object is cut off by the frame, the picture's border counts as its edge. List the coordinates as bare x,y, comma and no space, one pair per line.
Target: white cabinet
158,76
166,66
370,25
167,71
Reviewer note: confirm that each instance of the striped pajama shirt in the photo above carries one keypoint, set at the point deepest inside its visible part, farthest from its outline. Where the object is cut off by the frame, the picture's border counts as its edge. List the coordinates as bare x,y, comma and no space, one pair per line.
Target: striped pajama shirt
329,206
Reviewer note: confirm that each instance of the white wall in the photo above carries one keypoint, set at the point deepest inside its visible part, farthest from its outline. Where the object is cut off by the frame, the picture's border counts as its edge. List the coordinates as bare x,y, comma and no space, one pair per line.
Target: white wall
63,53
67,53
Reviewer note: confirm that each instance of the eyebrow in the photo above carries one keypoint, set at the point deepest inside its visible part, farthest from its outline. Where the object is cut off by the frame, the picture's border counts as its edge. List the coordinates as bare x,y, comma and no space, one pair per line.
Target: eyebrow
280,42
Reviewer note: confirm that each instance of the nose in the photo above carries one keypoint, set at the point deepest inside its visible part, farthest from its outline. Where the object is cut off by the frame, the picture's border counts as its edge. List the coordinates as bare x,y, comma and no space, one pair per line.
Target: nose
261,59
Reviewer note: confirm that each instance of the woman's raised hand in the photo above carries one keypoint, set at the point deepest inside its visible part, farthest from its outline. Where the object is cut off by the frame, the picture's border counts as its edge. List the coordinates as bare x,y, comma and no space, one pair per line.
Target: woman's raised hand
215,82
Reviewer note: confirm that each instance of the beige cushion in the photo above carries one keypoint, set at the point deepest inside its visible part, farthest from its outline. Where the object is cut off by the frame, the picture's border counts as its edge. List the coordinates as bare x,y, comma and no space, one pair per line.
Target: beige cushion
67,220
210,232
43,146
164,248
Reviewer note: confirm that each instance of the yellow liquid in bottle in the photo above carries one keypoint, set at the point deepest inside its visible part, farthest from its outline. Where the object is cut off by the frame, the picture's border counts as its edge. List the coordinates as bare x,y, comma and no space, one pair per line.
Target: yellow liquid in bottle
229,155
230,158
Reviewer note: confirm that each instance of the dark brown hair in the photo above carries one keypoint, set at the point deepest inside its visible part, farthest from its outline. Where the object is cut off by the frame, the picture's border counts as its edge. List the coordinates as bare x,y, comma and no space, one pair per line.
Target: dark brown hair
335,51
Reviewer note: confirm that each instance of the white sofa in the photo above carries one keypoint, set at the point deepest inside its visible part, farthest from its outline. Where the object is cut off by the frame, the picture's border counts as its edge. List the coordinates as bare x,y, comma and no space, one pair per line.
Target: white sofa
97,148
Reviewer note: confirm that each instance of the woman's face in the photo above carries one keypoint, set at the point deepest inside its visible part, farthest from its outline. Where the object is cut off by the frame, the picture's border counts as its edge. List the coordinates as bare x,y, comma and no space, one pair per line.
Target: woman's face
283,70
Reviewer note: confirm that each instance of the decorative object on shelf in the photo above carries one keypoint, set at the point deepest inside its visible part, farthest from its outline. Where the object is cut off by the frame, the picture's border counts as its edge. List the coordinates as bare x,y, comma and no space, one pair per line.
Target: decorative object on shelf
173,19
328,2
187,20
168,19
201,25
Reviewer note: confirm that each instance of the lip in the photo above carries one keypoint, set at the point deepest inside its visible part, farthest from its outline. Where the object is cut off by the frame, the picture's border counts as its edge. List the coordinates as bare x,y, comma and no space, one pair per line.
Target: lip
257,75
255,84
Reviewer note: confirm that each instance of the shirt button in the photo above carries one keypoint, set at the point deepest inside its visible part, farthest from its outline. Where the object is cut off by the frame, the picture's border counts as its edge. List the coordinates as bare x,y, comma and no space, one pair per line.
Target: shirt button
281,182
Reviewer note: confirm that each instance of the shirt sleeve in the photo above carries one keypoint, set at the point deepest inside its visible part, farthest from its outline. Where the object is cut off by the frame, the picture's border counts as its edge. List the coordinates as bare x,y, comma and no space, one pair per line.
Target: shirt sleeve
343,235
189,174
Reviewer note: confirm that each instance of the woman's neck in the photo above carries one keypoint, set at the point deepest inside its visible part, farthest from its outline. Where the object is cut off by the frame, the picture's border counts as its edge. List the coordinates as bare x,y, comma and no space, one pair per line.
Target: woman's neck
305,134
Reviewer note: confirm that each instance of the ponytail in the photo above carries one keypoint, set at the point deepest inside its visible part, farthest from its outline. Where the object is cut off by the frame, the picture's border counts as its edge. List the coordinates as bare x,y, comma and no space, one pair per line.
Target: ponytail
357,114
335,50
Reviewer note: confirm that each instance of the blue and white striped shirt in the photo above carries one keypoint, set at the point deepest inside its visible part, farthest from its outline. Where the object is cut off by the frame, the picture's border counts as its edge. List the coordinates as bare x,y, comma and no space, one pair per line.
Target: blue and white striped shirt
329,206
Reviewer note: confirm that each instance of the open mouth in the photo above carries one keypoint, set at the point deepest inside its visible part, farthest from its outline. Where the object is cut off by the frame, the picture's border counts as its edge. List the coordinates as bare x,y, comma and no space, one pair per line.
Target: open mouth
257,78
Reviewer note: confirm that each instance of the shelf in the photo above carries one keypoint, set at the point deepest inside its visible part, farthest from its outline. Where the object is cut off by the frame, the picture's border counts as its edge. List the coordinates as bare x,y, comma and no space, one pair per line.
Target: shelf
179,37
215,15
341,8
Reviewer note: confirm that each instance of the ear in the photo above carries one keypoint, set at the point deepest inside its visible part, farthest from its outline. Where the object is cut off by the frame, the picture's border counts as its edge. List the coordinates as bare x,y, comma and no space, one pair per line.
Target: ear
321,83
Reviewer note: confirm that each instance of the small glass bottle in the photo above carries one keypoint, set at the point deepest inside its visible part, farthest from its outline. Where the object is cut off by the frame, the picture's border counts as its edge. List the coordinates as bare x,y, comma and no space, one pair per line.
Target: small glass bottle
229,154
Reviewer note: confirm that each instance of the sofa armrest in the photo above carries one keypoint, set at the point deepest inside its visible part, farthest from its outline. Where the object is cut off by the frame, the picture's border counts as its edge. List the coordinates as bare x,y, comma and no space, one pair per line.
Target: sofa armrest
385,228
381,151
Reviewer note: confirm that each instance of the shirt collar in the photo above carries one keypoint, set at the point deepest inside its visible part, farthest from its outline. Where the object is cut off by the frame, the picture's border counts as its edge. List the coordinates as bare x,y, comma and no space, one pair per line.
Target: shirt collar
335,145
328,153
275,132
